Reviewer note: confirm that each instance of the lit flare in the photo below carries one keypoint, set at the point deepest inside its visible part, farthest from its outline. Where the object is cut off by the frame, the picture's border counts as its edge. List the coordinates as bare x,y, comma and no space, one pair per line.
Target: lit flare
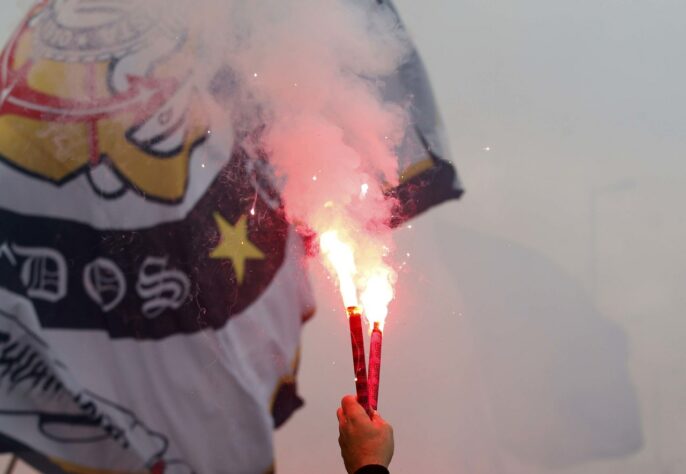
376,295
342,259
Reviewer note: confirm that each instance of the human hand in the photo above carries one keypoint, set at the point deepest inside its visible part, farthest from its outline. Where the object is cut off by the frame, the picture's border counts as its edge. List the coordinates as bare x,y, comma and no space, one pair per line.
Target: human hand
363,441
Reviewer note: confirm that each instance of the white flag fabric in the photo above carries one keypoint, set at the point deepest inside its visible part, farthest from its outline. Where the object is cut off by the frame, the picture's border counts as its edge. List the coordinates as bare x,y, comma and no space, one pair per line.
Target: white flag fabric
134,335
151,289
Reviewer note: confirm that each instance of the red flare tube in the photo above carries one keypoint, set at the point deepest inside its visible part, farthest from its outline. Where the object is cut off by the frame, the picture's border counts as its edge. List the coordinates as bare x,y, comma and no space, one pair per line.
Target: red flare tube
357,342
375,366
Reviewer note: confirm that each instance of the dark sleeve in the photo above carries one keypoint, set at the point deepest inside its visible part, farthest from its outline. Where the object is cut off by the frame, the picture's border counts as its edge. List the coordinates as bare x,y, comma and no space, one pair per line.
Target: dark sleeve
372,469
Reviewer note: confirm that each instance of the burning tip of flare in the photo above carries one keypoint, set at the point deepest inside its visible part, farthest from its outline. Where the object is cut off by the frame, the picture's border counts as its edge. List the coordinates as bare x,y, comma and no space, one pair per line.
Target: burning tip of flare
341,258
376,282
376,297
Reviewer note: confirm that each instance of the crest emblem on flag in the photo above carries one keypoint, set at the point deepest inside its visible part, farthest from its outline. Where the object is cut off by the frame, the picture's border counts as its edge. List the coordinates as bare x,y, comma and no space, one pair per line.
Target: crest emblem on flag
103,92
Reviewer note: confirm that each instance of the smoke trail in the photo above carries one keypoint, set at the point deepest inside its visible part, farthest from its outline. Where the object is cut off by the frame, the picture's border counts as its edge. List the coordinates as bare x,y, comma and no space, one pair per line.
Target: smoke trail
307,74
309,71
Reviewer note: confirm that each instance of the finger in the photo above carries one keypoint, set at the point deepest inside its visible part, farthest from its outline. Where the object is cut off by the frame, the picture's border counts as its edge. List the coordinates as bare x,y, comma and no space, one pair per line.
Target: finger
353,411
339,415
347,399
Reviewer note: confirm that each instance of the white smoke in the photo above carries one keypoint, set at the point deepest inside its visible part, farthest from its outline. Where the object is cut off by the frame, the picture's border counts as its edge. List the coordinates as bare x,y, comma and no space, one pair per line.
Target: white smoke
310,72
308,75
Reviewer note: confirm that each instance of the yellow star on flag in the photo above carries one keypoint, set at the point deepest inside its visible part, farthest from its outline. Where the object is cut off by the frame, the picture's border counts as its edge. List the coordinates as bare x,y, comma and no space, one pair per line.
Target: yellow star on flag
234,245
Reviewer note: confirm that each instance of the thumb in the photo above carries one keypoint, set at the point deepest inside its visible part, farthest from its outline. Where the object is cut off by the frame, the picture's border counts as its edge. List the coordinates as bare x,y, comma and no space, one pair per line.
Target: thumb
376,417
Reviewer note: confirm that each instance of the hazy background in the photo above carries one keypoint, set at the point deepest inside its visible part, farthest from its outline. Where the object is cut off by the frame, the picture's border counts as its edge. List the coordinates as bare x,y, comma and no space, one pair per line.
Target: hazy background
540,323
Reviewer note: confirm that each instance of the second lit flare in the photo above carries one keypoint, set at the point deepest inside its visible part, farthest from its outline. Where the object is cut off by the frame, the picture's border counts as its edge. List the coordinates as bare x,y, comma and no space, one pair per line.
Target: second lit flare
376,297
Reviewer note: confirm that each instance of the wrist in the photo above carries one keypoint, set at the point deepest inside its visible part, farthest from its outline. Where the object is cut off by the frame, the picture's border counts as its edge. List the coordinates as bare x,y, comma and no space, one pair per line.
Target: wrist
372,469
363,461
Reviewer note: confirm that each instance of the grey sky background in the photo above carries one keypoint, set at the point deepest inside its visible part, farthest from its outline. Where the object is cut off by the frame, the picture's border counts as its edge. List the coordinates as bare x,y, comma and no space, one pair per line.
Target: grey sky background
539,326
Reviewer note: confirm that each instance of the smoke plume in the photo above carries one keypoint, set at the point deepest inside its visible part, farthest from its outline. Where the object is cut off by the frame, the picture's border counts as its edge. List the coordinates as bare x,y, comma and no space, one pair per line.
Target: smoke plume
306,80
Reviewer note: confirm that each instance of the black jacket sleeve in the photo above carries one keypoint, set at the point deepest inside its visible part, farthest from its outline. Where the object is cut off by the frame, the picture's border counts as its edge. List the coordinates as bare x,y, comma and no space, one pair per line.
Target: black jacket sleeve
372,469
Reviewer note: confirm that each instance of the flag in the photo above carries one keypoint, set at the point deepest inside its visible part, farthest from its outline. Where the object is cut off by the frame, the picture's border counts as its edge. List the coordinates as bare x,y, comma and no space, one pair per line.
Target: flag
151,289
427,174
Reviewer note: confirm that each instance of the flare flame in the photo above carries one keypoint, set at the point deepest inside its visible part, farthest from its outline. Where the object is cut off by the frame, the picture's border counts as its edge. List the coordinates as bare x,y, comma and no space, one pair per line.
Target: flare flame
372,281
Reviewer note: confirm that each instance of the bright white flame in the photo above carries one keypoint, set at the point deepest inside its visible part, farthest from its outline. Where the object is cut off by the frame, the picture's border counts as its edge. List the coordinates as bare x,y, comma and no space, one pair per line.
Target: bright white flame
372,277
376,296
341,257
